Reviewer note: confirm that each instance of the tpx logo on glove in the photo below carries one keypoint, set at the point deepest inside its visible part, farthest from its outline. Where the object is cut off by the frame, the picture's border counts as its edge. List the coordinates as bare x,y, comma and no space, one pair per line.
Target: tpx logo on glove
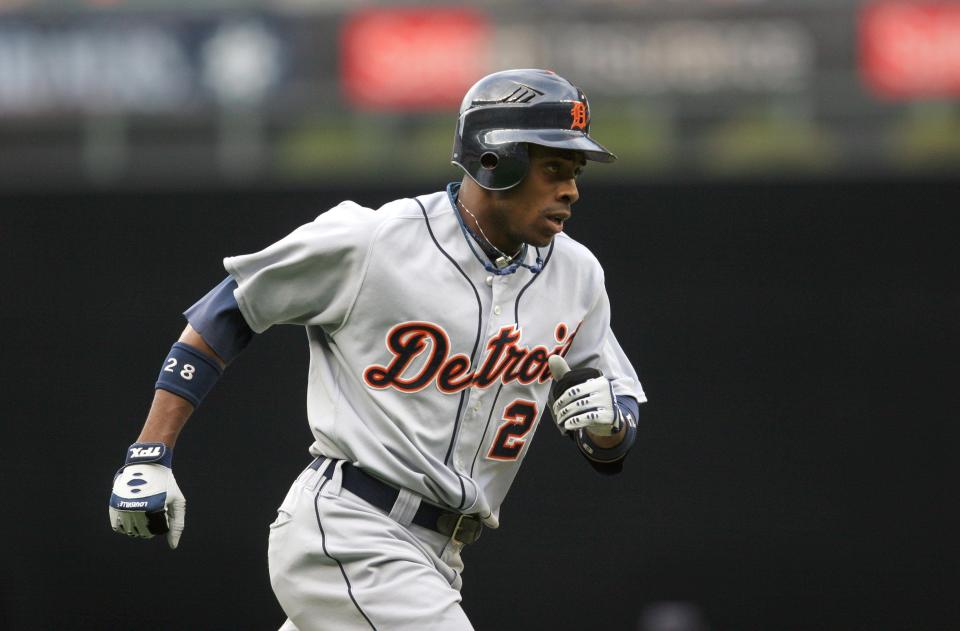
145,452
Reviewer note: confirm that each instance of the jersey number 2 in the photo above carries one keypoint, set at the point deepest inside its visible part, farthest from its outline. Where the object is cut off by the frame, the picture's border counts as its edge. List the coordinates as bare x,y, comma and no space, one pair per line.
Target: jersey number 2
518,418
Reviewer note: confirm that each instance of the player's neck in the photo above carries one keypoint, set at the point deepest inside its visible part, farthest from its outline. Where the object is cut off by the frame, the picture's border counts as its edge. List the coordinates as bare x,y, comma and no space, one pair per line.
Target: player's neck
474,208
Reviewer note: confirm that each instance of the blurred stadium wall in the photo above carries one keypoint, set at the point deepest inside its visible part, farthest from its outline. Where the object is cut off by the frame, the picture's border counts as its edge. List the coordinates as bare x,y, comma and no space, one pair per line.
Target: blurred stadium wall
162,94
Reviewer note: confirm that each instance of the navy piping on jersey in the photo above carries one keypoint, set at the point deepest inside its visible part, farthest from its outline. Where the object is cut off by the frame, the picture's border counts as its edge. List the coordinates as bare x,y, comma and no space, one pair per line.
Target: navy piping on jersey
463,490
483,439
323,543
473,354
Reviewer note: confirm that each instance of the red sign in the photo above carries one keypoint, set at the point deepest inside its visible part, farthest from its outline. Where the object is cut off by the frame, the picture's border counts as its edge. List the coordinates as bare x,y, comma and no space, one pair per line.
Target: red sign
413,58
911,49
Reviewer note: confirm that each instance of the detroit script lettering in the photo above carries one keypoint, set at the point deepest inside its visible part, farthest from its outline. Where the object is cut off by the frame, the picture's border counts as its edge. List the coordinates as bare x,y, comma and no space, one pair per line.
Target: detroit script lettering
505,360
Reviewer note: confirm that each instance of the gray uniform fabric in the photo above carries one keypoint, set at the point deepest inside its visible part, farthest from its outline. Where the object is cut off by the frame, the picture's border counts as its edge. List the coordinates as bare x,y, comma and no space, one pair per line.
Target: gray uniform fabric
427,372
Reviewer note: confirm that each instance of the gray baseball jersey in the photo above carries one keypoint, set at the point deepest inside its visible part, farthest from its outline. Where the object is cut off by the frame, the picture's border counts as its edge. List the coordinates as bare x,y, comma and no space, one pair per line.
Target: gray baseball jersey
425,369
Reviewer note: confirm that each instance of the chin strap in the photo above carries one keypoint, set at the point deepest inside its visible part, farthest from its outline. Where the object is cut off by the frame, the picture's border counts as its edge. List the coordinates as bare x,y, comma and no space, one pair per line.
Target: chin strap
503,266
510,268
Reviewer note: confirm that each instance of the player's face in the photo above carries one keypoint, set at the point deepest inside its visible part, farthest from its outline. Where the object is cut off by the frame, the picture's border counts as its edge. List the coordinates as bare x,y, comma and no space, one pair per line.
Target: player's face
535,210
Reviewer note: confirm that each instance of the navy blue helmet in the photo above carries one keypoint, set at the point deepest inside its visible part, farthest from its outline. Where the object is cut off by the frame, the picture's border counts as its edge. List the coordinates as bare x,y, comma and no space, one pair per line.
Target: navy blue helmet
505,111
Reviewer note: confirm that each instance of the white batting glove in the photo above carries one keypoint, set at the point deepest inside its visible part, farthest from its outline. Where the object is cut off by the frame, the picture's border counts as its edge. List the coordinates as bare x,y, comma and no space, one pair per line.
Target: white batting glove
583,399
146,500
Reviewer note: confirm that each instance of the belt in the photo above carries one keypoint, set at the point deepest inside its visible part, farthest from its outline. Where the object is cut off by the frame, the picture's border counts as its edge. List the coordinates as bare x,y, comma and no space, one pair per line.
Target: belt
459,527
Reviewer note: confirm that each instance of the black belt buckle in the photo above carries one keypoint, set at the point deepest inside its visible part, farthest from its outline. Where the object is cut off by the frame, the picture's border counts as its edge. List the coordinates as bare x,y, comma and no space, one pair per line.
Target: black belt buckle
462,529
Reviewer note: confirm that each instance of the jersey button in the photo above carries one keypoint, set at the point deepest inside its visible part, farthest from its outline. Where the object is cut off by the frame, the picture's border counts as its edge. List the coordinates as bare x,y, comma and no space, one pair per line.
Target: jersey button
496,310
490,281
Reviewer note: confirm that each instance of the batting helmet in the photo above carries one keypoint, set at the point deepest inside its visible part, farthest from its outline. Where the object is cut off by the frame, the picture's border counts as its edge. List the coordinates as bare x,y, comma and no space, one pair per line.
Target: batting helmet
505,110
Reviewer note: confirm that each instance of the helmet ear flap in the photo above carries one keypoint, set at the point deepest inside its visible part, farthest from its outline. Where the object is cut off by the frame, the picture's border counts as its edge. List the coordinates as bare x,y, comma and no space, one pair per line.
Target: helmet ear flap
495,167
501,167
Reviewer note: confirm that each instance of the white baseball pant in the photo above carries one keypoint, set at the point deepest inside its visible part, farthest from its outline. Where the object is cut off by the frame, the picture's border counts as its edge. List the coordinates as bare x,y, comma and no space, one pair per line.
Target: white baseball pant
339,563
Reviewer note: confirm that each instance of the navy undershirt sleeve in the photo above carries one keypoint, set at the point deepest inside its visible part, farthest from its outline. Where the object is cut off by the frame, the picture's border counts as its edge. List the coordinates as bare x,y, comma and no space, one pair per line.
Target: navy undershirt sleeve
217,318
629,404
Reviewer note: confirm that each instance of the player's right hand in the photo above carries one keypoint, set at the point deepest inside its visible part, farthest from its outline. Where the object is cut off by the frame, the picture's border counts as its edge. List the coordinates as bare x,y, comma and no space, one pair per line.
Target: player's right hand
146,500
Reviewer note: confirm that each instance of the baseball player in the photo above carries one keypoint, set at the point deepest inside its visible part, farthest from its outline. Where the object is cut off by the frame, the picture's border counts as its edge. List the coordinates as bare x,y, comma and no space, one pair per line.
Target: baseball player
441,328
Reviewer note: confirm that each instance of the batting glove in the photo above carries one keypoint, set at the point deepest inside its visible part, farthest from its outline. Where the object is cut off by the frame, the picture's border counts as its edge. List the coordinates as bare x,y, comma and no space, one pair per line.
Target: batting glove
583,399
146,500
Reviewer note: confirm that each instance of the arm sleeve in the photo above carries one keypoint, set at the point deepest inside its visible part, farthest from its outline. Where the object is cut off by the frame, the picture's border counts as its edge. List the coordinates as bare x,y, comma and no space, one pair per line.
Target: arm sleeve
217,318
311,276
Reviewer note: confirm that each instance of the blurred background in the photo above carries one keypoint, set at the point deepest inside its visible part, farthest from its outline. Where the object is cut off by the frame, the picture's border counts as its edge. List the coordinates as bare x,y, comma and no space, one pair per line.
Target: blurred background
174,95
780,243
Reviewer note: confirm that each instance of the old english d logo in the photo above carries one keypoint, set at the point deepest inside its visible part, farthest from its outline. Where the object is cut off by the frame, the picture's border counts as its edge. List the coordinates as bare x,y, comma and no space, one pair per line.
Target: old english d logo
578,116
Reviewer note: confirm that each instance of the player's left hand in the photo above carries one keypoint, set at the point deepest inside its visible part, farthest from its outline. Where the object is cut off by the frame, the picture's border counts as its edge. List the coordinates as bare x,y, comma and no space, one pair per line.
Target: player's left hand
583,399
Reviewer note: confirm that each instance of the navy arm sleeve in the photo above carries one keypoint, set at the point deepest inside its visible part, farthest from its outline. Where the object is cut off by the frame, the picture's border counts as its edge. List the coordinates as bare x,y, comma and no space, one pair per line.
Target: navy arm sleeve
217,318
